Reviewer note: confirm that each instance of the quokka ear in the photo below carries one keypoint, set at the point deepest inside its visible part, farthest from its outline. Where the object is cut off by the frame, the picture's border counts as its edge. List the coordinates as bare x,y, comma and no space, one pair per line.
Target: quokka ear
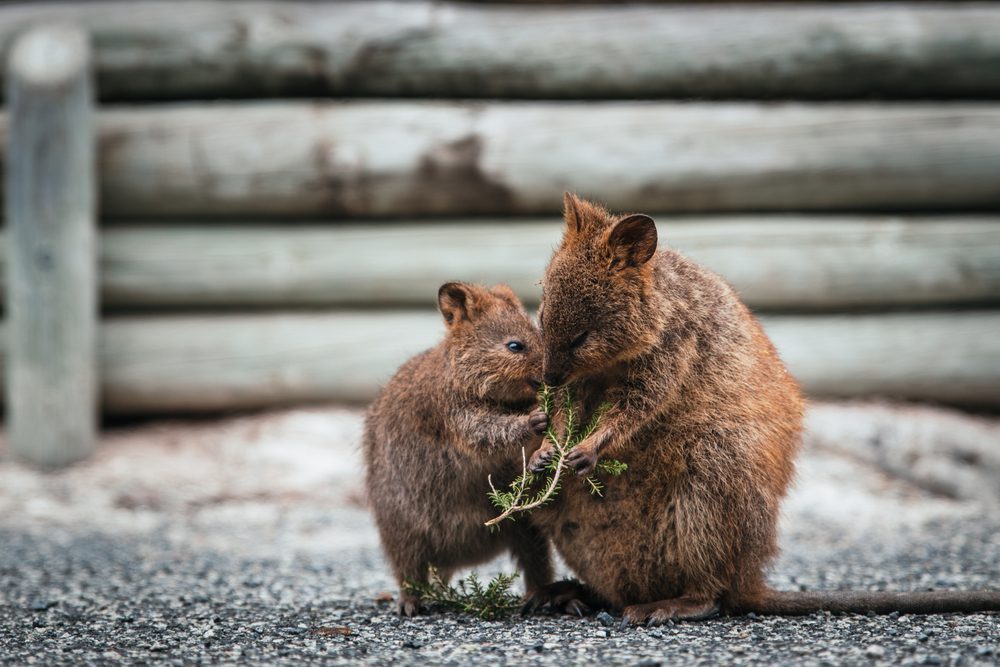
458,302
505,293
584,219
571,213
632,241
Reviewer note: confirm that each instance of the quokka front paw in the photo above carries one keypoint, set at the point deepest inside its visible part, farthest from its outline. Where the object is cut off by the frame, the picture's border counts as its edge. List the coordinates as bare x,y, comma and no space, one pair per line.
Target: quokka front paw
541,458
582,459
538,422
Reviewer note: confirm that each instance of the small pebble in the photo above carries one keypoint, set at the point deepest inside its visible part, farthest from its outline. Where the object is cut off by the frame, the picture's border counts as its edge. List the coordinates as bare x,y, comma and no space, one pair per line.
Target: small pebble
41,604
875,651
605,619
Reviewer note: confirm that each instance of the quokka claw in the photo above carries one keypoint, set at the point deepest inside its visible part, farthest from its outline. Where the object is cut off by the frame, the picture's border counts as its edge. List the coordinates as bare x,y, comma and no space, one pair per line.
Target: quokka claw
576,607
409,605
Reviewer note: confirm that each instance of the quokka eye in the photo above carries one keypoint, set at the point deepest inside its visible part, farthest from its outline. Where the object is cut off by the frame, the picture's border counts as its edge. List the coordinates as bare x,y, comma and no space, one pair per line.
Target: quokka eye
515,346
579,340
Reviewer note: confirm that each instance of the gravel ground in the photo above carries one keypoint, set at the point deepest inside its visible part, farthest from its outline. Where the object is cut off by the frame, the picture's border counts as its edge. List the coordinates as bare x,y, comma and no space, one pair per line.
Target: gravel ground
246,540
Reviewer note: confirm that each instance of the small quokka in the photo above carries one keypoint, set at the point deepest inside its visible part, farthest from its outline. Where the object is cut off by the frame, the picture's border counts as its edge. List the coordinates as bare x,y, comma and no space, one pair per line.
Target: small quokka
448,419
706,417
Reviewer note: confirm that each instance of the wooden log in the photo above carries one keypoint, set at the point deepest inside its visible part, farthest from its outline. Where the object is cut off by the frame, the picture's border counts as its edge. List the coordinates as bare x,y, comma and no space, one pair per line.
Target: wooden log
352,159
940,357
191,363
51,254
171,50
210,363
775,262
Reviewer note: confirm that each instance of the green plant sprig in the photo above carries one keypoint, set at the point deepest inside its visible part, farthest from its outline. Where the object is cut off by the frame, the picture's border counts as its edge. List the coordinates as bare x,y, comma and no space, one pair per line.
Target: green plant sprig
488,601
519,496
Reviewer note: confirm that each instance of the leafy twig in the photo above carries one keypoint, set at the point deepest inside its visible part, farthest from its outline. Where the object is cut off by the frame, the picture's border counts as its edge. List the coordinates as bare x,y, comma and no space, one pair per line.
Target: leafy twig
488,601
518,498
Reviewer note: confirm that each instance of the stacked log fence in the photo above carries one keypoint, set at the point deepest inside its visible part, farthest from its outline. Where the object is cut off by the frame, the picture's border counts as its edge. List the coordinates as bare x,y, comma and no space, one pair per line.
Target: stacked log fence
283,185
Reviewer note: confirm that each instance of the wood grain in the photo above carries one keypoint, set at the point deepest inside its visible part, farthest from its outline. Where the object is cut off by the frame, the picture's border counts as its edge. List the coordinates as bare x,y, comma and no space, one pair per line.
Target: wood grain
163,364
192,49
775,262
378,159
51,254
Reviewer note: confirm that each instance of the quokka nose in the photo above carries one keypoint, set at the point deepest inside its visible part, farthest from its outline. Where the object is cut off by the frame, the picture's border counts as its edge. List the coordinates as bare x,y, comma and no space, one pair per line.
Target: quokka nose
553,379
535,383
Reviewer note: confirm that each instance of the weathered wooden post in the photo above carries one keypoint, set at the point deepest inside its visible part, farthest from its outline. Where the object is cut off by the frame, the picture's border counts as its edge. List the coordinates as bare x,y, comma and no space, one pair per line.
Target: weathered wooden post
51,274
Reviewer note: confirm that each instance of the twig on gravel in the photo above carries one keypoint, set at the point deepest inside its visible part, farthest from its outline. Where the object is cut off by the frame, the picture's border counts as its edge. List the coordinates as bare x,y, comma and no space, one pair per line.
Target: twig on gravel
489,601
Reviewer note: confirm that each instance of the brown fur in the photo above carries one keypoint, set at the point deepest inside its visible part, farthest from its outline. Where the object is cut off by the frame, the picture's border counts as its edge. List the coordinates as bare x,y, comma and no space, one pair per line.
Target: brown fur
448,418
704,413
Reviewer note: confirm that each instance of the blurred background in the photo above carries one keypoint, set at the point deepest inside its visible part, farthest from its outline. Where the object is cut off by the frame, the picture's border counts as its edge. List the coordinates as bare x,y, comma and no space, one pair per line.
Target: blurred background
282,186
226,222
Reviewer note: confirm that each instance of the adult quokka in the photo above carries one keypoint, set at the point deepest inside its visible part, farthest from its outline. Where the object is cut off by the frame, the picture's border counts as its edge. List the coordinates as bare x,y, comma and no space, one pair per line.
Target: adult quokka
448,419
706,417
